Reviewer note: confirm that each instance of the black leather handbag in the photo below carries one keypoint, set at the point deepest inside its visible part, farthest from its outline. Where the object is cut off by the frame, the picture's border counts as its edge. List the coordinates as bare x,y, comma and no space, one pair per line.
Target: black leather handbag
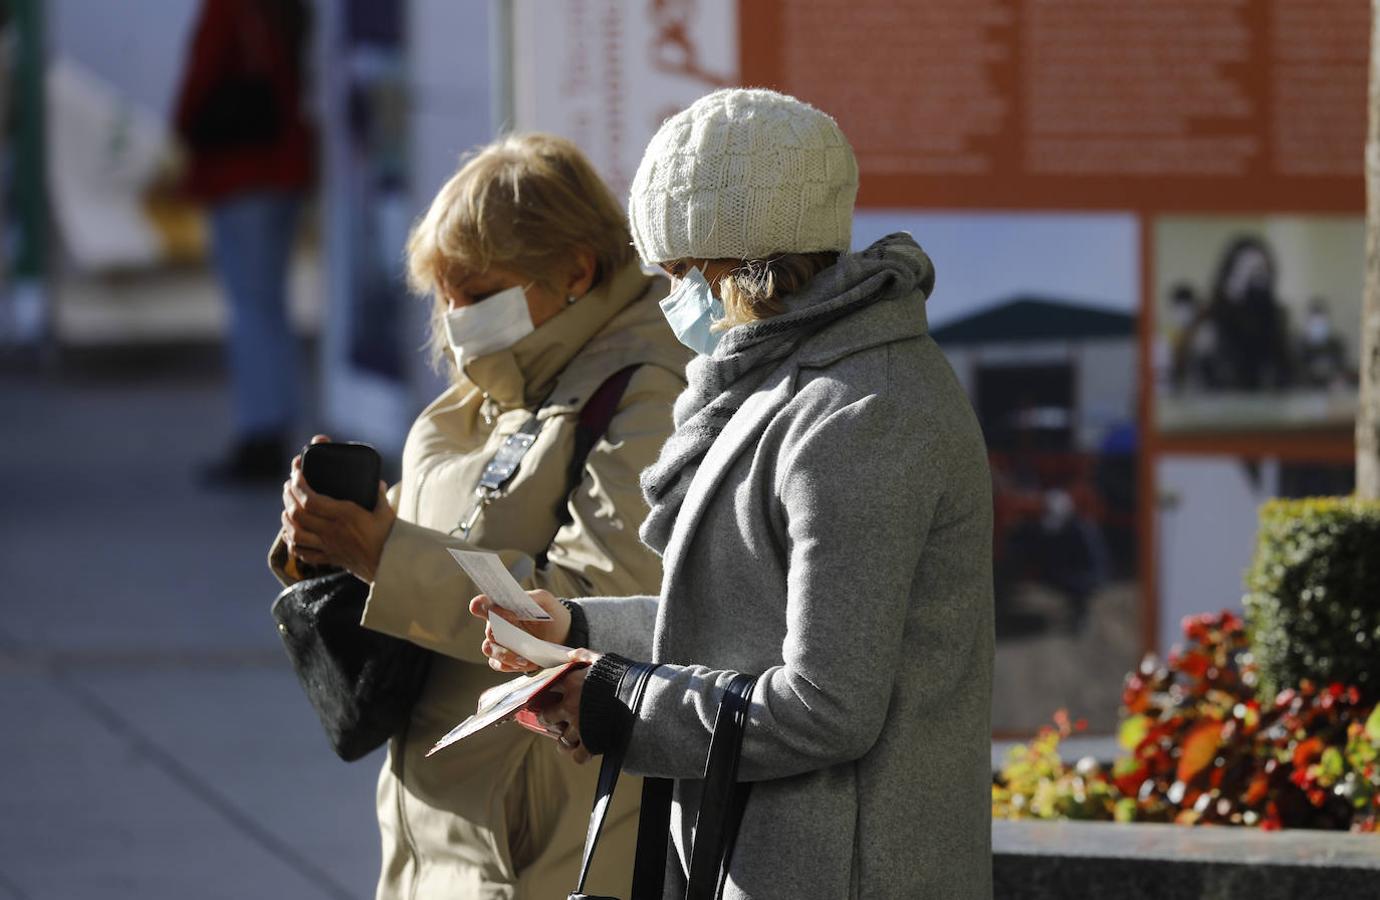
721,804
362,683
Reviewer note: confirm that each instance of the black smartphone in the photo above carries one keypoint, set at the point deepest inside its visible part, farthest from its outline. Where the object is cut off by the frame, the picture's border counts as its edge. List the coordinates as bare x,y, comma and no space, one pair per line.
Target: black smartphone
346,471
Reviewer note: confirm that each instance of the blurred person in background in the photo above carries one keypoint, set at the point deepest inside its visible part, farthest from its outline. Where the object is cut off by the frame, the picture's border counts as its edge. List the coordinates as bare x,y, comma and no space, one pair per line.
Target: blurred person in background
1194,342
1321,353
540,310
239,114
1061,549
1250,324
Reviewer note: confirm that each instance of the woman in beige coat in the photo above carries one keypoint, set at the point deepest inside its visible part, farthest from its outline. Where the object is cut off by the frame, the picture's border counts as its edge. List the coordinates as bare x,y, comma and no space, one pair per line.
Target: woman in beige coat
539,302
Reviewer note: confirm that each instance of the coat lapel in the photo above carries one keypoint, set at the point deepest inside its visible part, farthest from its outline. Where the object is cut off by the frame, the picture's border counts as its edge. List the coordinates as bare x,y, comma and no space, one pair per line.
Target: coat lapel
741,432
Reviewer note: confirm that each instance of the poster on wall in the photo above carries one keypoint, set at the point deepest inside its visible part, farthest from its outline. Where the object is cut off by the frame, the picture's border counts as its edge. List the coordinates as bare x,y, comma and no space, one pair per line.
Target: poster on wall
607,73
1232,133
1046,346
1083,104
1027,145
1255,322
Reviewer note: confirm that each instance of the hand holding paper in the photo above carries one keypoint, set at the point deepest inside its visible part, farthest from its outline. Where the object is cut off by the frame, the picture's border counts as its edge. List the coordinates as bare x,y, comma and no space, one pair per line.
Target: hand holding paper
531,702
489,574
545,622
544,653
503,702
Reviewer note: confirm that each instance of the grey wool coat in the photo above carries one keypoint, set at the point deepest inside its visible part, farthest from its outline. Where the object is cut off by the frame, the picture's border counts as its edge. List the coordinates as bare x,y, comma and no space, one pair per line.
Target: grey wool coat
836,541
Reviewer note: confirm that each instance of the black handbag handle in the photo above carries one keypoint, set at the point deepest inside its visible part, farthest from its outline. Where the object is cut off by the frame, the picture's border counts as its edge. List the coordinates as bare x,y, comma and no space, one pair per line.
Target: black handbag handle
609,770
653,838
721,803
723,797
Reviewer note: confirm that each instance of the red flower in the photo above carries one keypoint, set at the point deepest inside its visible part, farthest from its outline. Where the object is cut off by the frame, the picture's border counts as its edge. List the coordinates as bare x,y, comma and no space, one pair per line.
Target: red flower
1307,752
1259,787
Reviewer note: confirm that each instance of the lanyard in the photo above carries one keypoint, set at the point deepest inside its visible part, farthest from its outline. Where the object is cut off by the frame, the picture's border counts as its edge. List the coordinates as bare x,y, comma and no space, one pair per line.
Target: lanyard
499,471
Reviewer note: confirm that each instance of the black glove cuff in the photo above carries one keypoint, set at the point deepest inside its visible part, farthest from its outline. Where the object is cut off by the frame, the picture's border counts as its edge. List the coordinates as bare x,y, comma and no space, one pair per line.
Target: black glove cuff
604,718
579,625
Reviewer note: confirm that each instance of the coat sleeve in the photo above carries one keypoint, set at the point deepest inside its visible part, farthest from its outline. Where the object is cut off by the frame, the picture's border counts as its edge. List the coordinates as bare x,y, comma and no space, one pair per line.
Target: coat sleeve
621,625
858,505
420,594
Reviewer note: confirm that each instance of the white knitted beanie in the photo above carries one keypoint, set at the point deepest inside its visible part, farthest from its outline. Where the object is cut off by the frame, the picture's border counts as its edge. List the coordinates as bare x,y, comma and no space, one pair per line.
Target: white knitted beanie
744,174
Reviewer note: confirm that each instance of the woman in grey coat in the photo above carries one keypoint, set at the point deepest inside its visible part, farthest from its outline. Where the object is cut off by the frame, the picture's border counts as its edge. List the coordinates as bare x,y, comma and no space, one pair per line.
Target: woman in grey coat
824,514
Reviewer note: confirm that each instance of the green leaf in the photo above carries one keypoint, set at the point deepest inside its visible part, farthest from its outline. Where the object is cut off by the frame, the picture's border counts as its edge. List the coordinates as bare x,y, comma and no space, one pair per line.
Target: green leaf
1373,726
1125,765
1331,764
1133,731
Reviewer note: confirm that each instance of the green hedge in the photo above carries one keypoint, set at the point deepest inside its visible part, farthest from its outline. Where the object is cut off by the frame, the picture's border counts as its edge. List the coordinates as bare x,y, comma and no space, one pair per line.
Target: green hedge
1313,594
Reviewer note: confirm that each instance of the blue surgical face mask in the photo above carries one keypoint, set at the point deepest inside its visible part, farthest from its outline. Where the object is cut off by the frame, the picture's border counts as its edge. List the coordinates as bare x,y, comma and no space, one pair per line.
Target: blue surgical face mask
691,308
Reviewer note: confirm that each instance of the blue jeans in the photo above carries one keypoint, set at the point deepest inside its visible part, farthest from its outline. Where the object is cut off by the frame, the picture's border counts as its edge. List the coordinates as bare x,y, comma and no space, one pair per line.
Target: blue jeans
251,242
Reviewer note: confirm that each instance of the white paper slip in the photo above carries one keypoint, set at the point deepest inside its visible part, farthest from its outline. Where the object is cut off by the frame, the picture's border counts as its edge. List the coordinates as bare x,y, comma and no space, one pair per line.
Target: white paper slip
493,578
534,649
497,703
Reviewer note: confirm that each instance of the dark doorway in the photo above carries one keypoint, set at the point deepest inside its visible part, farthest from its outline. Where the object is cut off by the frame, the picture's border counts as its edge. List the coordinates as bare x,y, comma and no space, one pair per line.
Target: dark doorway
1027,407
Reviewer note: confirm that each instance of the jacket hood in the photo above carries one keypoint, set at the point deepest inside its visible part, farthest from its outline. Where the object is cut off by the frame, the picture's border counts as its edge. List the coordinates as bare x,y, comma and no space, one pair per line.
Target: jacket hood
866,299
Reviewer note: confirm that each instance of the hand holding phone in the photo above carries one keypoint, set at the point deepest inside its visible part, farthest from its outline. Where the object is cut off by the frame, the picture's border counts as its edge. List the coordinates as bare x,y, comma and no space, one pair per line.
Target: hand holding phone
332,509
345,470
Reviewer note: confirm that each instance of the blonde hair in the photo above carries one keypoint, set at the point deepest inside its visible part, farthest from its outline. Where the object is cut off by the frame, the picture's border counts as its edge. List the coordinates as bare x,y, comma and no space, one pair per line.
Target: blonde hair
526,202
753,289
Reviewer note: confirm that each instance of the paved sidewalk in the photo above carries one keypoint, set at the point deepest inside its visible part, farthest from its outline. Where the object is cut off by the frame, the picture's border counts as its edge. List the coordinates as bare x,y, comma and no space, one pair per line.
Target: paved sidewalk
154,744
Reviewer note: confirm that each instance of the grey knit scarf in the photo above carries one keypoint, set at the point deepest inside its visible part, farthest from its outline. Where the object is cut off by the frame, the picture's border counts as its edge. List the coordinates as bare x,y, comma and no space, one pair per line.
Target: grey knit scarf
891,268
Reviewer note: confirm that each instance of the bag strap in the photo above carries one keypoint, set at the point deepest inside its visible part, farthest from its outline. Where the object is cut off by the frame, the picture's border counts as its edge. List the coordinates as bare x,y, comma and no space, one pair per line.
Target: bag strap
721,804
609,770
590,428
653,839
723,797
593,424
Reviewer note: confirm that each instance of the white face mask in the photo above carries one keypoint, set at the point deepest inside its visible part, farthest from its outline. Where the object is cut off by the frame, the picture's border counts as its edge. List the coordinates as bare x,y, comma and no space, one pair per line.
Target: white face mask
494,323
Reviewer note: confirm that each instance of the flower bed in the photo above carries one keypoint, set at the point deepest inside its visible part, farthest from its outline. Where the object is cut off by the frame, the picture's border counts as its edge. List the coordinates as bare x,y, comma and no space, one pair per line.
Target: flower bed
1201,746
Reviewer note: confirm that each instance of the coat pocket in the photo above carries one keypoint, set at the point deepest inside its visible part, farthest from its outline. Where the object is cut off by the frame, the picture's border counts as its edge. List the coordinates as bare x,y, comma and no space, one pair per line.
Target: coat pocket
532,807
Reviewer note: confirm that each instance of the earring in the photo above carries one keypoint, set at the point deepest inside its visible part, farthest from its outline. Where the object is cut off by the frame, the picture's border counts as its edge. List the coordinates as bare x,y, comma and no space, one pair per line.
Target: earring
570,298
